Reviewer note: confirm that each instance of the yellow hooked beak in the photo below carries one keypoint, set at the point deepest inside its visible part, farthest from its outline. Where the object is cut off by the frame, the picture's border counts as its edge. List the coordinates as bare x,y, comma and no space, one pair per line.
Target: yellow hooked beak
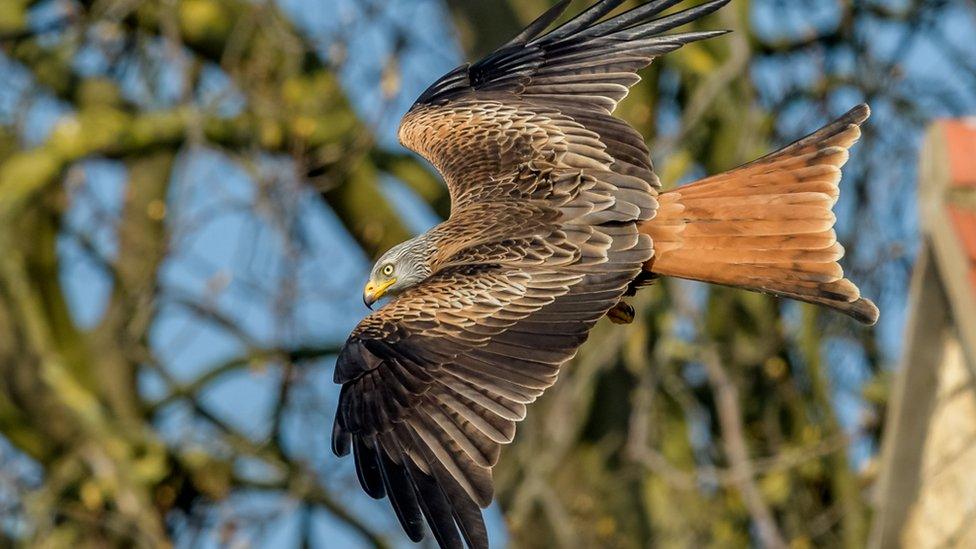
373,292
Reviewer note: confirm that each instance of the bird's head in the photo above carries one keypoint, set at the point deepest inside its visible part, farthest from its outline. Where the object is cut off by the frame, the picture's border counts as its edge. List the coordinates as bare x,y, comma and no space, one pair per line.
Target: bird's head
405,265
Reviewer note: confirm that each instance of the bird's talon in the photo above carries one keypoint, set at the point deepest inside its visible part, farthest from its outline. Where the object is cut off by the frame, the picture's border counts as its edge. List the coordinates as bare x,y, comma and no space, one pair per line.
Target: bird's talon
622,313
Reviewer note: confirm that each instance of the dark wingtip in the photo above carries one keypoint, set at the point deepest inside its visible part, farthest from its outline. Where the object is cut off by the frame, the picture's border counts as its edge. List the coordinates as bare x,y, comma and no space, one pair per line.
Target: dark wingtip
588,17
353,361
368,469
856,116
344,365
341,439
689,37
434,507
401,494
540,24
695,12
864,311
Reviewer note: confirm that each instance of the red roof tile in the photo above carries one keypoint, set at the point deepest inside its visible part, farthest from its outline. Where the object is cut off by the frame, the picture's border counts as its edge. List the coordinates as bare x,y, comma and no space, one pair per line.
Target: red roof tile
961,141
964,222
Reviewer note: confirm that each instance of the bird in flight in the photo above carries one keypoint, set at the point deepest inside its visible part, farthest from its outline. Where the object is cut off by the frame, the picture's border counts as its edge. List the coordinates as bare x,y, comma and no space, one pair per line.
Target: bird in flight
556,216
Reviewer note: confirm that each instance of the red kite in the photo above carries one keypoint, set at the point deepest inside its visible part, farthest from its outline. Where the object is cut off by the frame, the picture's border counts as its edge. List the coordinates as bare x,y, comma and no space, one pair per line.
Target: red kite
556,216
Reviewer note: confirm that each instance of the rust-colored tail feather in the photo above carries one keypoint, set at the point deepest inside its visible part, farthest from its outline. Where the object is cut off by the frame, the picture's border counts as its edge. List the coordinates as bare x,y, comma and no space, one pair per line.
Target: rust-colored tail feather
766,226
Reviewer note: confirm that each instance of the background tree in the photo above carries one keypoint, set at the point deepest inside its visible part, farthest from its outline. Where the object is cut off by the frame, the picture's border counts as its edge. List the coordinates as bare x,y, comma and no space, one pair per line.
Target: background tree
190,190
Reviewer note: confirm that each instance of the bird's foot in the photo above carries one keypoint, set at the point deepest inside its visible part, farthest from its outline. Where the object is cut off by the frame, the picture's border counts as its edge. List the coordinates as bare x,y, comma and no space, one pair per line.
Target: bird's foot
622,313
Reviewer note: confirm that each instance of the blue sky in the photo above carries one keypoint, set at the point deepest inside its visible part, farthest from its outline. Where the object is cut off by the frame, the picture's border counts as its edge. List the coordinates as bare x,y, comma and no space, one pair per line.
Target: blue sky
233,254
258,264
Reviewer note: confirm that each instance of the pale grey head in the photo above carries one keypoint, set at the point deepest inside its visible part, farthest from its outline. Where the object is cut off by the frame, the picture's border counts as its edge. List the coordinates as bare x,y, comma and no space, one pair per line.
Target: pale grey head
403,266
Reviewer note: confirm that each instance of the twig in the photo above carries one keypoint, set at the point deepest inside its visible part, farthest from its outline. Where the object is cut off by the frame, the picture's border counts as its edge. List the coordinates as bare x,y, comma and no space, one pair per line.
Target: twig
730,419
307,489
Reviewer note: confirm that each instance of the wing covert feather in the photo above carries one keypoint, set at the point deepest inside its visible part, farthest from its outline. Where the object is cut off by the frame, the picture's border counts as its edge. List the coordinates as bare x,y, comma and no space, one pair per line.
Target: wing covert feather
530,98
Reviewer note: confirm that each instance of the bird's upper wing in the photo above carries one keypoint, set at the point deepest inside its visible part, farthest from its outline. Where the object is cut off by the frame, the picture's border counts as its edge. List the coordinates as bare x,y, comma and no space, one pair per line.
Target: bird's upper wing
481,120
547,190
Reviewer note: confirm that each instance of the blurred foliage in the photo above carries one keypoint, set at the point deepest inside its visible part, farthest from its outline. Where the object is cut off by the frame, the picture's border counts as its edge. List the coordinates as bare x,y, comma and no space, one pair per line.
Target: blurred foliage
711,421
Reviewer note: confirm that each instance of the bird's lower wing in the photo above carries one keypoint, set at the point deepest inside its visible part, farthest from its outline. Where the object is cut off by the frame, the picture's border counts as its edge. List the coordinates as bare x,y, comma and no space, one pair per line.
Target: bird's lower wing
432,390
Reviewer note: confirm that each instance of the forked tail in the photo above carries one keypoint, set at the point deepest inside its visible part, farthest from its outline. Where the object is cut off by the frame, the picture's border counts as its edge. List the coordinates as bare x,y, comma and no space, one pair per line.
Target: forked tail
766,226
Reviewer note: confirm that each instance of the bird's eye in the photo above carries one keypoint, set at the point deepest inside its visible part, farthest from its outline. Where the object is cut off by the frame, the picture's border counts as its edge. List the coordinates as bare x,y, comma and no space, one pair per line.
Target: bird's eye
388,270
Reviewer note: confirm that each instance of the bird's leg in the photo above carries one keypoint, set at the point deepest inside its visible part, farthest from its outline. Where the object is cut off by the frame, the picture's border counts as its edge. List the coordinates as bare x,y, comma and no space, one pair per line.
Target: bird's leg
643,279
622,313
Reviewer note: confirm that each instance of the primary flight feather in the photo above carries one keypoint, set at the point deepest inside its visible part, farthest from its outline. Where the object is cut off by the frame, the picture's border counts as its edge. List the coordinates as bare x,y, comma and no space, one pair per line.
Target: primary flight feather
555,218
